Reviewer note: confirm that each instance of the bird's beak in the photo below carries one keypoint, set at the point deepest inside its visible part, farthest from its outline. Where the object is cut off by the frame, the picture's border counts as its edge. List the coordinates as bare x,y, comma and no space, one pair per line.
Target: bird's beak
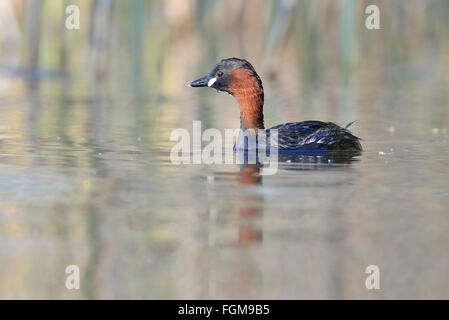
201,82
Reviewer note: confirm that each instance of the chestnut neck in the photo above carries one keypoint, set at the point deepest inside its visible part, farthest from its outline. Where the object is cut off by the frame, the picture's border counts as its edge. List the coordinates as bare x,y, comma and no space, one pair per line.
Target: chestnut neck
247,89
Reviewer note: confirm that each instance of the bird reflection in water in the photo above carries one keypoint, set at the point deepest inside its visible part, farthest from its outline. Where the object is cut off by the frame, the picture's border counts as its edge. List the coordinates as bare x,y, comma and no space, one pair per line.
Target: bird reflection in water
243,273
250,201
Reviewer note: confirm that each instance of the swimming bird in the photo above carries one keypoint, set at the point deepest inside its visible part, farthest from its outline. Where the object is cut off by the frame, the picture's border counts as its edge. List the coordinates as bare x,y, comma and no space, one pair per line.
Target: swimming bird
239,78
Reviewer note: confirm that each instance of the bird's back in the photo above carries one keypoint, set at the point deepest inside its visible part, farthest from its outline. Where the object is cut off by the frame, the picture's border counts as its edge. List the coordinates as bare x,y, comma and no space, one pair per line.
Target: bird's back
315,137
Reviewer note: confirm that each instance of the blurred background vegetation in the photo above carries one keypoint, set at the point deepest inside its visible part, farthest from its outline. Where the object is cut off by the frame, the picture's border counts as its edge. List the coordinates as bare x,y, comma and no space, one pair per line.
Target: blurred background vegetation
138,55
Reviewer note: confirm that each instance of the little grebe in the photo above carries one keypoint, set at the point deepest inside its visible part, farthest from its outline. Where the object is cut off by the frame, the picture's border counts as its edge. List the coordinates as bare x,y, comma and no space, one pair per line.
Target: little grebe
238,78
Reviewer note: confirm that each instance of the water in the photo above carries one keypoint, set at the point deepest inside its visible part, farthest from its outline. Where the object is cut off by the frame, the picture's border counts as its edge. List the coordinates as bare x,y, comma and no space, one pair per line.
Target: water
86,178
140,227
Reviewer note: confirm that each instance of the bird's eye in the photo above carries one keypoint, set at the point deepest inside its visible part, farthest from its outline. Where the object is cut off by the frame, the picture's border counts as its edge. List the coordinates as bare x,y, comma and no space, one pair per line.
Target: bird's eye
219,74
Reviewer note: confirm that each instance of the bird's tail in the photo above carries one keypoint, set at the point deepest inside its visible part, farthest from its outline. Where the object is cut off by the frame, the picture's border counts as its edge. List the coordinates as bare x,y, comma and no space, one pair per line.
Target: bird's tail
350,124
